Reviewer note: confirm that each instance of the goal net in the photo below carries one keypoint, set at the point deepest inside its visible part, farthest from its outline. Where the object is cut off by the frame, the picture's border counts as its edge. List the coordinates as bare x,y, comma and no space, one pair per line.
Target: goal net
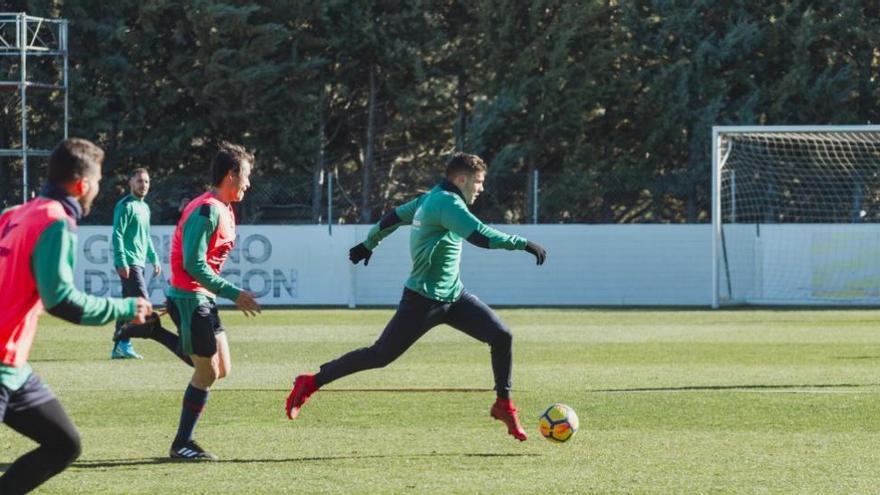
796,215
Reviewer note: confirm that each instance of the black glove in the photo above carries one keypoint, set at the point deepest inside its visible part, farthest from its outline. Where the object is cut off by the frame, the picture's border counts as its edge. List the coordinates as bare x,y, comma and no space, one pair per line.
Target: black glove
538,251
360,252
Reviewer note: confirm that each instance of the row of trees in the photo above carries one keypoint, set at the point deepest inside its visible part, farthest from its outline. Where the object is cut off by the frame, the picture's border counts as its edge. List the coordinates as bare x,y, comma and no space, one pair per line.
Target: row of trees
612,102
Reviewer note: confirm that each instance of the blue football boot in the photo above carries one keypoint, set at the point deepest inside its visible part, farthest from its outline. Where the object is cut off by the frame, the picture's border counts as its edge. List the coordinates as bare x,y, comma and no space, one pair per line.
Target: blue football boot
124,350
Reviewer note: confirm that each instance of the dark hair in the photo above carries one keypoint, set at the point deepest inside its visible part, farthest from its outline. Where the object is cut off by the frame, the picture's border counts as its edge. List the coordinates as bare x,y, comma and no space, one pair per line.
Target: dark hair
139,170
229,157
73,159
464,163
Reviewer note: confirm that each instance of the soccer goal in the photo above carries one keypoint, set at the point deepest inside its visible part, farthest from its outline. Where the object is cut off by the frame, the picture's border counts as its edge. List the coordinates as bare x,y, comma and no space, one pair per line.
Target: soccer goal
796,215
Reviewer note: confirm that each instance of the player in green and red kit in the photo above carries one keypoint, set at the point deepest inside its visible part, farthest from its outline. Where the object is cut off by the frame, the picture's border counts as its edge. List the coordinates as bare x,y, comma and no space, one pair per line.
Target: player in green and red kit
37,253
202,241
434,294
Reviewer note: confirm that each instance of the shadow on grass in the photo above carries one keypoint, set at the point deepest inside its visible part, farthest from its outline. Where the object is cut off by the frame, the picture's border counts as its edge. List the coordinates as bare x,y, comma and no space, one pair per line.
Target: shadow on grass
364,390
410,390
56,360
733,387
856,357
108,463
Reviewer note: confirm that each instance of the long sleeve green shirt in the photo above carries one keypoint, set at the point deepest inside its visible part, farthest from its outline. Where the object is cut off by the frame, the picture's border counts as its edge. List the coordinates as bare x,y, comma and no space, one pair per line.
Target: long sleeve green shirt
440,220
52,265
132,245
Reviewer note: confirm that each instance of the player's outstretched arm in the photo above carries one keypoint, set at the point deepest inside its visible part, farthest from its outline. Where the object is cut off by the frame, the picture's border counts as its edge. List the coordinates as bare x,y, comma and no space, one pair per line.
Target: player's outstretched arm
456,217
402,215
52,264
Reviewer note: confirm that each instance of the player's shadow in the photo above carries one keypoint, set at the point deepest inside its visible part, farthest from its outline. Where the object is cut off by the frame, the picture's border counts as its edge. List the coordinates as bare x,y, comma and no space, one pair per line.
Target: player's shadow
698,388
55,360
413,390
121,463
408,390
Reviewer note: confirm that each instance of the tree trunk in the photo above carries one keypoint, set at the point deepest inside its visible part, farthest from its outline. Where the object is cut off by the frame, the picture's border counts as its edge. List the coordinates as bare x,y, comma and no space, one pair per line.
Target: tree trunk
866,77
530,190
461,121
369,149
318,169
530,159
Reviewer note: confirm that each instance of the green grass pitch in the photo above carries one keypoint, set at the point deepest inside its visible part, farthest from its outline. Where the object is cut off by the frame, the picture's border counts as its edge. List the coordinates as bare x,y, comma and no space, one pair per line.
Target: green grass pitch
670,402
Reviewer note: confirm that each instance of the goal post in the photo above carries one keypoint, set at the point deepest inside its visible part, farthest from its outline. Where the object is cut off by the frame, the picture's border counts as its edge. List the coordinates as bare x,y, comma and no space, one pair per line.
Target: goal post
796,215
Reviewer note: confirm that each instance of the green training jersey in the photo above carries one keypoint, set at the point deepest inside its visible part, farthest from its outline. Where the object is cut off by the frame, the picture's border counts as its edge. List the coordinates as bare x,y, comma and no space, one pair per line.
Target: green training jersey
132,245
440,220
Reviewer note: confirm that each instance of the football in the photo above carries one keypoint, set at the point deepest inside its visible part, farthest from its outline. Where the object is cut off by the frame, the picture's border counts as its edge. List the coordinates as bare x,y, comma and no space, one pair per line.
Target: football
558,423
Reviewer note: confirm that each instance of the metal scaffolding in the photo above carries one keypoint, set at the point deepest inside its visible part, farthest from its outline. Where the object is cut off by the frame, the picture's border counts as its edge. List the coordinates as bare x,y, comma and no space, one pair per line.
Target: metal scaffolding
23,37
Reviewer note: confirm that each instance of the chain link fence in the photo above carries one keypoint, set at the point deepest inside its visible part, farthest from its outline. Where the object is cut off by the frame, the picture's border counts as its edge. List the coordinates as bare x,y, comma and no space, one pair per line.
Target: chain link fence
297,197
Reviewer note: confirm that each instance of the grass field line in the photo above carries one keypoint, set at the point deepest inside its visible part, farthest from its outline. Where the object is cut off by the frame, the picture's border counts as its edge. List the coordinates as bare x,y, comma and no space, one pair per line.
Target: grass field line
748,389
830,388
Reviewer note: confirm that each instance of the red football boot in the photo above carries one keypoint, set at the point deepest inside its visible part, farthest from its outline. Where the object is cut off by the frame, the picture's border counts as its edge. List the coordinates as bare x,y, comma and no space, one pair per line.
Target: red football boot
503,410
303,388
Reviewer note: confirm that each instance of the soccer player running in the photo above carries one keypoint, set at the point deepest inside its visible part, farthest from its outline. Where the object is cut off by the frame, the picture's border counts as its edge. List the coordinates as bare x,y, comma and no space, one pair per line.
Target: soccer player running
201,243
434,294
37,253
132,247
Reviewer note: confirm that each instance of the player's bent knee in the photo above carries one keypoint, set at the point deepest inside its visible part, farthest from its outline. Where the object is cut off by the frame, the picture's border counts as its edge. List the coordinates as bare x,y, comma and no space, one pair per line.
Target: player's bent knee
206,372
73,452
65,449
213,376
502,338
204,382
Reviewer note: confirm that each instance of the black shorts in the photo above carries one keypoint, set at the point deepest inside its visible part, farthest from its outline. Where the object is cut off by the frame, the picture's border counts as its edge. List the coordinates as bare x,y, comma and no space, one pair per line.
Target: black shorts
133,286
198,324
33,393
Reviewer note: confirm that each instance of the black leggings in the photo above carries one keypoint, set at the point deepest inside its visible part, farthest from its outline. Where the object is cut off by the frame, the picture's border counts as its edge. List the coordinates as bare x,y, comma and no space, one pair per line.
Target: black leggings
414,317
48,425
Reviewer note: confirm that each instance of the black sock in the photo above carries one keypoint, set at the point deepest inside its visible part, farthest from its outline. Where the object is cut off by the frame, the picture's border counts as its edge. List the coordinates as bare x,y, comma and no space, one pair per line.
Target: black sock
194,400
